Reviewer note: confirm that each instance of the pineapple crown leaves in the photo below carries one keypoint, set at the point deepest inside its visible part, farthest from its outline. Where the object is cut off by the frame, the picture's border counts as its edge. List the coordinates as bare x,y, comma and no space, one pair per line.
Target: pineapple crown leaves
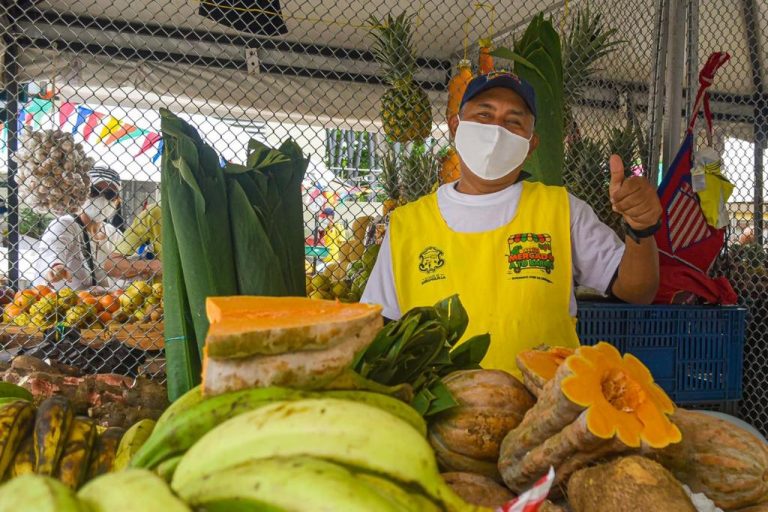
393,47
587,42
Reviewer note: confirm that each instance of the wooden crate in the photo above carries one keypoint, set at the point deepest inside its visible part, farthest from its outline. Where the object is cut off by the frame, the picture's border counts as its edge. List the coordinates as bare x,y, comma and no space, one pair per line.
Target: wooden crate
142,336
14,336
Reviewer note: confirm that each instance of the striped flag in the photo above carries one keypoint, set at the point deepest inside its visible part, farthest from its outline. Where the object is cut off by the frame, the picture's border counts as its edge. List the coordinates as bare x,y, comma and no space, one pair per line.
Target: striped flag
532,499
685,219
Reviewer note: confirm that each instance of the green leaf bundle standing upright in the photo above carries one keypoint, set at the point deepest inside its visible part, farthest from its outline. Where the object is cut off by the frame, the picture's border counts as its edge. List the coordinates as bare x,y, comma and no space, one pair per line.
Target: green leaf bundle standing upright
537,58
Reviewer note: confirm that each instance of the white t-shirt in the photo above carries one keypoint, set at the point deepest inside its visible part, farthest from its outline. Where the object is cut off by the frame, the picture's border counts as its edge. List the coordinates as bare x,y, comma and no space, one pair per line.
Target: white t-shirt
595,249
62,242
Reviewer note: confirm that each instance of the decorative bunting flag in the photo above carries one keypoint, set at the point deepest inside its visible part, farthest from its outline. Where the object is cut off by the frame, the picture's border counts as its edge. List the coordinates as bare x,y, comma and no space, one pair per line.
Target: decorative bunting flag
150,141
93,120
65,110
159,151
135,134
36,110
122,130
82,114
111,126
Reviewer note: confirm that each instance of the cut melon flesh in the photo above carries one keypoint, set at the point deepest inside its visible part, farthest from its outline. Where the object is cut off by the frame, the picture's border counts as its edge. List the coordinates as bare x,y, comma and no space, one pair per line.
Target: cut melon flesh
244,326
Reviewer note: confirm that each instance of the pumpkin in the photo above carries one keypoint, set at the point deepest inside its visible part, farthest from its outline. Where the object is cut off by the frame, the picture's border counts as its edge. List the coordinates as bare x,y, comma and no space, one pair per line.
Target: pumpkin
539,365
596,398
478,489
626,485
719,459
485,60
450,169
491,403
456,88
282,341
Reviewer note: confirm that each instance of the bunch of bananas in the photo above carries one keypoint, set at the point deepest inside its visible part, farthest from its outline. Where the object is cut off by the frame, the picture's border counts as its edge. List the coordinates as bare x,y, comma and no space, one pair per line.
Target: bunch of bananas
50,440
266,449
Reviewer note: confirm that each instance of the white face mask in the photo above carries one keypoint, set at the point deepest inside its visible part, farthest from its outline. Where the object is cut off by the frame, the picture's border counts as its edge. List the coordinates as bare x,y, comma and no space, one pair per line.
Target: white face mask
490,151
99,209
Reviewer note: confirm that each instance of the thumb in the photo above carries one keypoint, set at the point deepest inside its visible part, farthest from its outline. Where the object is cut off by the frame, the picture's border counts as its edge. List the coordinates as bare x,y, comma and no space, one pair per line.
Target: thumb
617,173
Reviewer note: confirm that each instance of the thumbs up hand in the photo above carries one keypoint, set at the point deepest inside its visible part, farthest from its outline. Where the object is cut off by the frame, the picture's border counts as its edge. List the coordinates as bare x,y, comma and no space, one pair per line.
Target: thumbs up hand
634,198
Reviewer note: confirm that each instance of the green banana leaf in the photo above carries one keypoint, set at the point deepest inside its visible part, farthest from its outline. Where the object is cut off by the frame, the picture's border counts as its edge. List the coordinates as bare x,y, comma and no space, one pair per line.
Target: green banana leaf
537,58
182,358
258,268
198,203
418,350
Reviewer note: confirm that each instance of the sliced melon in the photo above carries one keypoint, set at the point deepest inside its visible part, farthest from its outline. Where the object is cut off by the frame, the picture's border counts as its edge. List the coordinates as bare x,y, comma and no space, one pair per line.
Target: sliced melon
244,326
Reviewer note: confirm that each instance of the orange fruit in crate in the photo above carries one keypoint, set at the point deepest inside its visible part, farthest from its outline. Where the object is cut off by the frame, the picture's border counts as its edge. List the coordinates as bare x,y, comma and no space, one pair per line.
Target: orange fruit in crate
12,311
26,298
109,303
44,291
105,317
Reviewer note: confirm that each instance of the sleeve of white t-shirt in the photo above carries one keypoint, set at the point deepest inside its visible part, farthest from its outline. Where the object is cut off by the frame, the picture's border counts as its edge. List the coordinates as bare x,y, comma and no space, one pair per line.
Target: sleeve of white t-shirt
596,250
381,283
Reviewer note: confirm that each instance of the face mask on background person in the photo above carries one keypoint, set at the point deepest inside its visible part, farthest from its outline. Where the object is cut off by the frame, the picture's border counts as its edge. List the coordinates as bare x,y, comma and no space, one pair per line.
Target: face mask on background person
490,151
99,209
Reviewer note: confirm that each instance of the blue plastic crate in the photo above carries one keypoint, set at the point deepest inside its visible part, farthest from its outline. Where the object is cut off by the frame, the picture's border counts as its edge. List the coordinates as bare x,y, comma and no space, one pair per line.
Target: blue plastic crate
694,352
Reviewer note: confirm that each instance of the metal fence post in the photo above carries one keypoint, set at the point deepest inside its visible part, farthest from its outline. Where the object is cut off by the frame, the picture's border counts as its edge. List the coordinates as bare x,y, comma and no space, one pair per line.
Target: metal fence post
12,88
675,71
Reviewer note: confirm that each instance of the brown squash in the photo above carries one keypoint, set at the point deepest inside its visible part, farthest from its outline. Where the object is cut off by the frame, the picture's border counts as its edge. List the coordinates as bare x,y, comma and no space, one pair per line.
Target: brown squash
717,458
598,403
478,489
627,484
468,437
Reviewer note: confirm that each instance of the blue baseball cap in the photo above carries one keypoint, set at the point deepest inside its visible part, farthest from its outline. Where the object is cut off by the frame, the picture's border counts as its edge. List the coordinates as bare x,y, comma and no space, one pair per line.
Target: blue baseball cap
505,79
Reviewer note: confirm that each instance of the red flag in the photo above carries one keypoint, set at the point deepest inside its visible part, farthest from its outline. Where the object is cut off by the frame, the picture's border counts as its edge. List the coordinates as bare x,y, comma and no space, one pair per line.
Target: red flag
93,121
65,111
149,141
687,243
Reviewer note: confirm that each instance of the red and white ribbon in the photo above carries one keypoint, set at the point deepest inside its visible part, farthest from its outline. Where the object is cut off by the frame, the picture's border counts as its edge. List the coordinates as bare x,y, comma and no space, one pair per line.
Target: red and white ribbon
531,500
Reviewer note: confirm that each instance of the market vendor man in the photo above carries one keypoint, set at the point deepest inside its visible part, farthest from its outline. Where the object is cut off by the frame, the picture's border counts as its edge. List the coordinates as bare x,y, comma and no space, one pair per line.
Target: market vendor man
513,249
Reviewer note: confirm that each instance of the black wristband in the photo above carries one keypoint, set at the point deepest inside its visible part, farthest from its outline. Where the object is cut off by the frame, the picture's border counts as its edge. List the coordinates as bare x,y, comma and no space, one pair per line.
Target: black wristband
637,234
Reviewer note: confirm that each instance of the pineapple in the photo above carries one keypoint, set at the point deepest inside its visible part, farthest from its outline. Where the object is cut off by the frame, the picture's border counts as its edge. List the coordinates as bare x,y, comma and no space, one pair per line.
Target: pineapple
405,109
390,180
419,170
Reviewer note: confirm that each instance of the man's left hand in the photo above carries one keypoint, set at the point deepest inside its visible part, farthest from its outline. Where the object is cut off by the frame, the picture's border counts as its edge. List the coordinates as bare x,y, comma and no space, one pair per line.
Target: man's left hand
634,197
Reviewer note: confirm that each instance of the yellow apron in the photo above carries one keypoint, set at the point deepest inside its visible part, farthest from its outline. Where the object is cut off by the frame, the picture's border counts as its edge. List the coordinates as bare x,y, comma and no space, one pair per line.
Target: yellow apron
514,281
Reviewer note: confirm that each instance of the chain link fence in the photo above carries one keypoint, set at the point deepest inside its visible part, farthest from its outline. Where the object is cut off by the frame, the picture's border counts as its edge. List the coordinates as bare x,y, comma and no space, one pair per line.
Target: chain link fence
93,74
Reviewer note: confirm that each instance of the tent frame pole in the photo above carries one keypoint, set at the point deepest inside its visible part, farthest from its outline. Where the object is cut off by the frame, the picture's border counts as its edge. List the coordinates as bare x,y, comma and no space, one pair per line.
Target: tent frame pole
675,72
656,89
760,123
13,97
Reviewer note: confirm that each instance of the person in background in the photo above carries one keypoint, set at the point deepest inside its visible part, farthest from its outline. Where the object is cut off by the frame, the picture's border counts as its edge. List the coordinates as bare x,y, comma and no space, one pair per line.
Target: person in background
141,241
74,250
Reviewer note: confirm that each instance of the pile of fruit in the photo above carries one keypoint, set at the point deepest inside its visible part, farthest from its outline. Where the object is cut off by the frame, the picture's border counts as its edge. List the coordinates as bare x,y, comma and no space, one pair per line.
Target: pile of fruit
51,440
43,308
345,283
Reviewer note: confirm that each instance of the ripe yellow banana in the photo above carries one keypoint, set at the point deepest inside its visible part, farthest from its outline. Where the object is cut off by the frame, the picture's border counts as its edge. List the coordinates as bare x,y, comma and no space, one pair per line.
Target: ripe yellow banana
39,494
288,484
404,500
52,424
130,490
73,466
341,431
24,461
104,452
16,420
133,439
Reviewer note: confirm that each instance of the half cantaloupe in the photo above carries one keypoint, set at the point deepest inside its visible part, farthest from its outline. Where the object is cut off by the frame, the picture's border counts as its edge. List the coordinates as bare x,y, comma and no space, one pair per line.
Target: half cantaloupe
283,341
243,326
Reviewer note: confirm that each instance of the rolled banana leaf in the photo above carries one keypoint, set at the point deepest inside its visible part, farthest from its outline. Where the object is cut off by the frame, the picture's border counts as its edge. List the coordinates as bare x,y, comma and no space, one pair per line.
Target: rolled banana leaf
537,58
